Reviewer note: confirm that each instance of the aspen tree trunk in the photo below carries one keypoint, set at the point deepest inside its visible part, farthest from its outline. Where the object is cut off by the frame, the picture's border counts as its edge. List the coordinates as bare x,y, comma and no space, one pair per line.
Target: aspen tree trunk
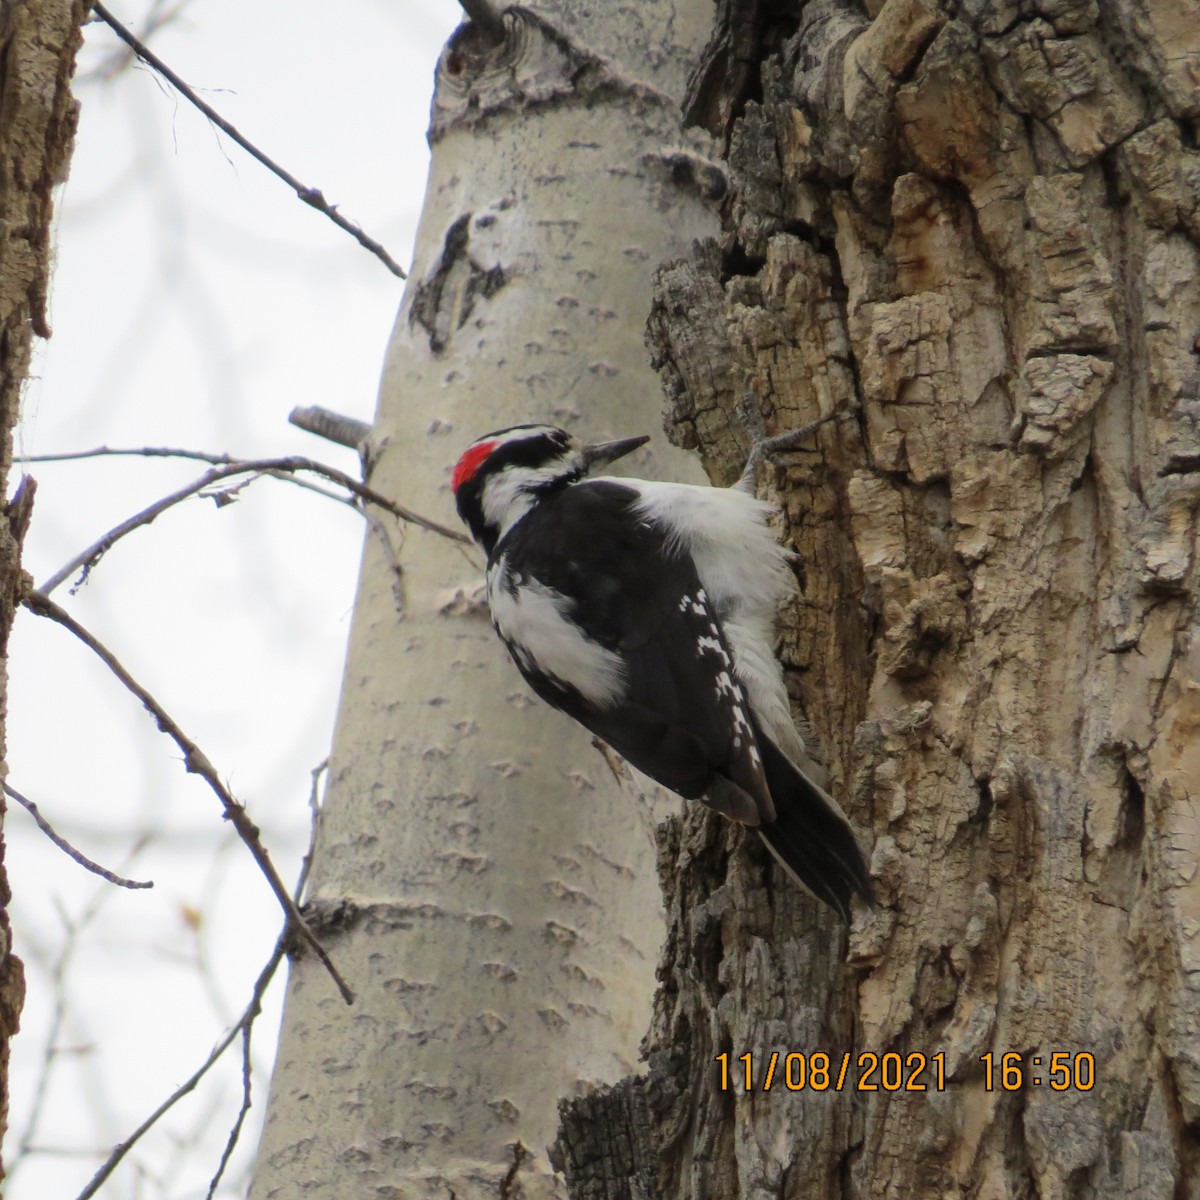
480,875
978,227
38,43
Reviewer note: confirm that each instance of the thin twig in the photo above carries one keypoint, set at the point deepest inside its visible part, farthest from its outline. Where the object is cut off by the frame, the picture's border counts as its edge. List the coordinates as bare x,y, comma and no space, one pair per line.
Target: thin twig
247,1018
317,490
121,57
332,426
232,1141
244,1021
314,809
74,929
69,850
395,567
196,762
217,460
248,1026
277,466
249,1014
289,465
310,196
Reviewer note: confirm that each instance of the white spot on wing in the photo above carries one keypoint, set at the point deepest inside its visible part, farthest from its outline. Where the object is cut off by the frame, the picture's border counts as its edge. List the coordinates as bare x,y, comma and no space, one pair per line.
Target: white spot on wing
745,576
730,694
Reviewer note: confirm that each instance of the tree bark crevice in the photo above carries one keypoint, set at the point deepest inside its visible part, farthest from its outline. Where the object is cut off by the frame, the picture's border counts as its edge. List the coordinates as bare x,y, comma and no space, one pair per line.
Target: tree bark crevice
981,228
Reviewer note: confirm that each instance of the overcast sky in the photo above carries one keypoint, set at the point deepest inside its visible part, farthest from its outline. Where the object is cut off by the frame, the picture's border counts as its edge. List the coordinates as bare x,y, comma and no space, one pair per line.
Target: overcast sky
195,302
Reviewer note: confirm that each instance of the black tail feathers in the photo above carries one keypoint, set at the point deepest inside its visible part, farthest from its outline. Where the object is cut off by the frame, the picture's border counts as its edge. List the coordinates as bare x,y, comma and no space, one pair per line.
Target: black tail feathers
811,837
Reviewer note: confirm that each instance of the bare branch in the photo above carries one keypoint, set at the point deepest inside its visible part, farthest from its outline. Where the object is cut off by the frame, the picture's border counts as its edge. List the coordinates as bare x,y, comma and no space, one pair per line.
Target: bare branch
159,17
74,930
310,196
244,1022
485,18
217,460
232,1141
197,763
248,1026
249,1014
395,567
69,850
281,467
308,486
332,426
84,561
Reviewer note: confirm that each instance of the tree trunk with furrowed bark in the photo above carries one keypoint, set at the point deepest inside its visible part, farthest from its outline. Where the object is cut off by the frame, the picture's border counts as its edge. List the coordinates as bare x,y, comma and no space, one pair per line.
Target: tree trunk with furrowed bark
38,43
975,227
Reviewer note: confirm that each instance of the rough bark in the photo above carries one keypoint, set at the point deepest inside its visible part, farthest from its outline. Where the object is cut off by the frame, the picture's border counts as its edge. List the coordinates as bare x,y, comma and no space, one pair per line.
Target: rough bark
481,876
978,227
38,42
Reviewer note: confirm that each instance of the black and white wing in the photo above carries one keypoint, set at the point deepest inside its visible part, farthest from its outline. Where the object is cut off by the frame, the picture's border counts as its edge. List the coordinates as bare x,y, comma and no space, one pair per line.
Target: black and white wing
611,625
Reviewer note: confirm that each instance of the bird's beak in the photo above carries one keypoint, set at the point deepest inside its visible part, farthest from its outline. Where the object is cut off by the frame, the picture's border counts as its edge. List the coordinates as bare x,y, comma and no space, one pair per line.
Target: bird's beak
602,453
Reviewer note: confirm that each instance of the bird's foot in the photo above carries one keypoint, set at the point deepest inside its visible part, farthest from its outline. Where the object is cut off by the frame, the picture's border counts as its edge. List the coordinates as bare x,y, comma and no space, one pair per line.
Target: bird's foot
764,446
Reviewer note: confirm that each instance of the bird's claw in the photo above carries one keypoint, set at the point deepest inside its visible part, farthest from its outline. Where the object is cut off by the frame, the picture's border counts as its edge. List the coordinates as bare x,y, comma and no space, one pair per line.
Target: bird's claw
764,446
750,417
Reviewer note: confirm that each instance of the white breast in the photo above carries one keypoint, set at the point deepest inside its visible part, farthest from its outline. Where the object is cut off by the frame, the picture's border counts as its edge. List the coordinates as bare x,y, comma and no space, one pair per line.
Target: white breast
534,623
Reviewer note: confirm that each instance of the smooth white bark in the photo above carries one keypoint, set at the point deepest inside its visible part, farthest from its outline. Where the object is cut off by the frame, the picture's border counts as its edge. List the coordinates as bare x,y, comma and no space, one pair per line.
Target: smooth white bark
496,886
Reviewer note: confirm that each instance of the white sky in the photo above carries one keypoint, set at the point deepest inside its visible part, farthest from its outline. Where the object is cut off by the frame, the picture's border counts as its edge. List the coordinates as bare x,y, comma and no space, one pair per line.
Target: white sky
195,302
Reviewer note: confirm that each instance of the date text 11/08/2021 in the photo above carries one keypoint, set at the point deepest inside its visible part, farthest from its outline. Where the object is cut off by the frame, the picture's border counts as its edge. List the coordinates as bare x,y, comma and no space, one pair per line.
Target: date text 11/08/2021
1059,1070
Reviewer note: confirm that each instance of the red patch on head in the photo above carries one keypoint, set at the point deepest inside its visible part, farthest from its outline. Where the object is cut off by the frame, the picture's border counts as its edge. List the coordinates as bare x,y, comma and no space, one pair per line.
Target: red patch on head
465,468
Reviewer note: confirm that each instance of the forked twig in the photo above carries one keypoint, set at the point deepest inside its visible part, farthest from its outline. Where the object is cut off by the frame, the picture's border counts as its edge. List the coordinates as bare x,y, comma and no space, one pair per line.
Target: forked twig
241,1026
248,1025
281,467
243,1111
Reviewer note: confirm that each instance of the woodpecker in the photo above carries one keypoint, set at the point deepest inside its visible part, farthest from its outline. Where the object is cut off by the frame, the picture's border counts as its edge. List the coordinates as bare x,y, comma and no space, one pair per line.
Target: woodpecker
645,611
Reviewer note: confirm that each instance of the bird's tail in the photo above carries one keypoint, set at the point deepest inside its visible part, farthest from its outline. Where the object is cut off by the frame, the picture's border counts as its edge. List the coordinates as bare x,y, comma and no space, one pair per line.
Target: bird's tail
810,835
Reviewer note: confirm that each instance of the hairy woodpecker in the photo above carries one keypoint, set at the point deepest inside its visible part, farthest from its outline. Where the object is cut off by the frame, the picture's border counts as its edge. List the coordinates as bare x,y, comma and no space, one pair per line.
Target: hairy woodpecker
646,611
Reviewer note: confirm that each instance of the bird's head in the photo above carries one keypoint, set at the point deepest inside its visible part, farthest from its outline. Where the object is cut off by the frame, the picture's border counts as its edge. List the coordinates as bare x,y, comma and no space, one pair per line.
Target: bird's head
502,475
